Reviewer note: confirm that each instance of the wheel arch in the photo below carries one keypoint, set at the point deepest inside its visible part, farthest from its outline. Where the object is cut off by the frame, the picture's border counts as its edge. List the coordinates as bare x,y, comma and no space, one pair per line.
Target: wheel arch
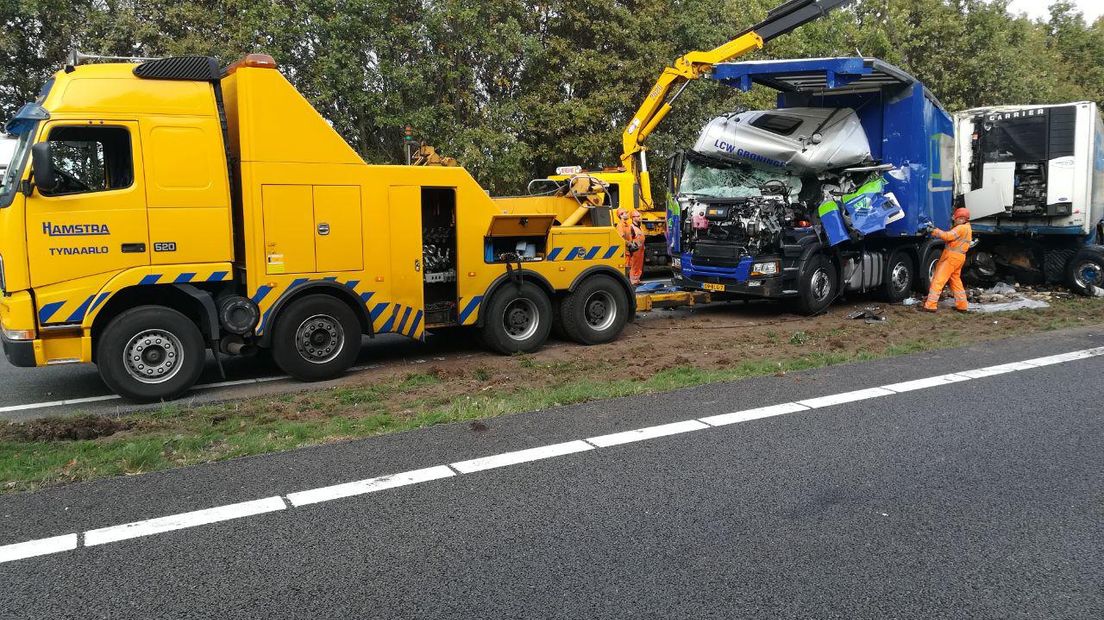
324,287
185,299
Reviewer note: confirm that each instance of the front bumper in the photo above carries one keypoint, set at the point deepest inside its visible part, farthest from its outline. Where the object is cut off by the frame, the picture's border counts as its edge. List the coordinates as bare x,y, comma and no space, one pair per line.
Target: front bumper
21,353
771,287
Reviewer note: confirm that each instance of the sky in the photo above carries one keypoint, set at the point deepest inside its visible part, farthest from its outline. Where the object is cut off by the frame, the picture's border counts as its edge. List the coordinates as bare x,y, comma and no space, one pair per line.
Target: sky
1039,8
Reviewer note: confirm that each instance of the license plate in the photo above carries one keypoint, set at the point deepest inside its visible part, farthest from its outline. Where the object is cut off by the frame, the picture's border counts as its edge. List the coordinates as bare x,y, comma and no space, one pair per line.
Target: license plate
717,288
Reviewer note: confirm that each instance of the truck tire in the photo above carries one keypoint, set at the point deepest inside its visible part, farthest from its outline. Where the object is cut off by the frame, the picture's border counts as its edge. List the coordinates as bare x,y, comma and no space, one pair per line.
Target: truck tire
818,285
150,353
518,319
316,338
596,311
900,277
926,271
1085,271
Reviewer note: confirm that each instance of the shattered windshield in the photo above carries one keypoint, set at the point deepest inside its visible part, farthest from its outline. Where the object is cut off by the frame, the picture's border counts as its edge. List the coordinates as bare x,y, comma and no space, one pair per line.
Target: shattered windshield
10,180
718,179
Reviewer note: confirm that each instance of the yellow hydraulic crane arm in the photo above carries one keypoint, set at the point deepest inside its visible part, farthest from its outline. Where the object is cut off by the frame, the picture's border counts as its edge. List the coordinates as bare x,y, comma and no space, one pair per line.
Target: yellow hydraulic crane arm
694,65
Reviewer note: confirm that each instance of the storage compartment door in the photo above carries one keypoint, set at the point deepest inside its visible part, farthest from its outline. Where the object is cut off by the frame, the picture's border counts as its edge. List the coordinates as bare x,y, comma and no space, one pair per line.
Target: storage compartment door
339,238
405,316
288,228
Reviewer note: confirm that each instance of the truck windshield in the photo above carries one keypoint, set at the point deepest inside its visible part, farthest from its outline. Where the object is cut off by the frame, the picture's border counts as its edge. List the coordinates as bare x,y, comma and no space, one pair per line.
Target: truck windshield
10,181
718,179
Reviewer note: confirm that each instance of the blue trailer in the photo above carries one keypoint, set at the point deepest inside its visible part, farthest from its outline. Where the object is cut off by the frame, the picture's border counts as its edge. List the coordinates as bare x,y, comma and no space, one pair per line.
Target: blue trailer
833,191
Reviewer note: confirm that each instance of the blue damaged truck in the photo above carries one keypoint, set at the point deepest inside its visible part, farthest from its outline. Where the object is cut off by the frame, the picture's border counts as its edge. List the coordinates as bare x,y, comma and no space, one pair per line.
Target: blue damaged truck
833,191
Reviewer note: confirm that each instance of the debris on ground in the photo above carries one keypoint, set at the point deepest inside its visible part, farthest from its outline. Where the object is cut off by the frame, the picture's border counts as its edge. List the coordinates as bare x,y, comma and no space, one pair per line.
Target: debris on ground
871,314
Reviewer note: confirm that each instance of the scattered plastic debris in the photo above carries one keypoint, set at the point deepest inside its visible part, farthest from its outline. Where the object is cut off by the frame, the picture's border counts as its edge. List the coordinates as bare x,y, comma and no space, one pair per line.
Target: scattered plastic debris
911,301
871,315
1021,304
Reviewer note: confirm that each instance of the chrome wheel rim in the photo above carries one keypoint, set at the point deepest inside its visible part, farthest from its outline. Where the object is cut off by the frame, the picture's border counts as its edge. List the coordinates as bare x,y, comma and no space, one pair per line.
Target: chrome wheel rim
1088,275
600,310
320,339
899,277
821,284
520,320
153,356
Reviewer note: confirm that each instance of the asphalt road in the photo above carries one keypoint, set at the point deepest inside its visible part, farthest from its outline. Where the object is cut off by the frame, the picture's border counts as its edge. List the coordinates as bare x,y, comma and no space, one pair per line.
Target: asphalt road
977,499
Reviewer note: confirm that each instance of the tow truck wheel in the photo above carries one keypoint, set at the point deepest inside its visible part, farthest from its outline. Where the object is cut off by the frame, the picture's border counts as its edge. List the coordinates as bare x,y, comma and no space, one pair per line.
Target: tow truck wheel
899,278
518,319
596,311
1085,272
818,286
316,338
150,353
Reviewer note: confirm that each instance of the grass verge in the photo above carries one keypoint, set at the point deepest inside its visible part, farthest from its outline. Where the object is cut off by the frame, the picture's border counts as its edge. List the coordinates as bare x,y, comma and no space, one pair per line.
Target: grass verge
84,447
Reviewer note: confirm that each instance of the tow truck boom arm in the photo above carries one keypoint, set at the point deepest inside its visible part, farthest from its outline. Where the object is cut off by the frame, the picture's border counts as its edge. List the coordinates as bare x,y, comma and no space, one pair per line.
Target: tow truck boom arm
674,79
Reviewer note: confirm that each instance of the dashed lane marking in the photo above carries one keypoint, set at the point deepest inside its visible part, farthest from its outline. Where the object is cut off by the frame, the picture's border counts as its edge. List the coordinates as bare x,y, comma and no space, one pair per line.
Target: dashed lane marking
149,527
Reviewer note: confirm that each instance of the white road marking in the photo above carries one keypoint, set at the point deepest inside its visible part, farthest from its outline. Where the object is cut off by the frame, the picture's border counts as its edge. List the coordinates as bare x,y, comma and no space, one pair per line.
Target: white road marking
521,456
923,384
371,485
753,414
35,548
149,527
846,397
1065,357
990,371
651,432
58,403
182,521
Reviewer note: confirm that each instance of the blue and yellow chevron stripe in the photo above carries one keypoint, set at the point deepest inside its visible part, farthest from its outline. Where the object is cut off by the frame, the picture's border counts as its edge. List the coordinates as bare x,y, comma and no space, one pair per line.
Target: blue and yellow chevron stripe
584,253
75,310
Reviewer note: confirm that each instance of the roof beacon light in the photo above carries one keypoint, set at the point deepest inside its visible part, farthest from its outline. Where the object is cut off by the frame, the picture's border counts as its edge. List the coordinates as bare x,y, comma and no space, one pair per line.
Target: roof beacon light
568,170
256,61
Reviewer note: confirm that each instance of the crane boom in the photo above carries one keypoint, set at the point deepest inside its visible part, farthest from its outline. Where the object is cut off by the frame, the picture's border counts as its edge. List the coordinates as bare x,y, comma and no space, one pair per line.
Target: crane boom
674,79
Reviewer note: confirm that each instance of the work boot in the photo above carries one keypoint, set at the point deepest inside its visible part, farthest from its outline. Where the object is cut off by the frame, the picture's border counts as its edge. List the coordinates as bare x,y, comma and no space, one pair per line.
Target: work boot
927,309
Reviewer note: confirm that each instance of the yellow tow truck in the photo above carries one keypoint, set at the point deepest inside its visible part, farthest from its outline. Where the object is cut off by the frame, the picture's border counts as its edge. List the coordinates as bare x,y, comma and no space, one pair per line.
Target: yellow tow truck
154,210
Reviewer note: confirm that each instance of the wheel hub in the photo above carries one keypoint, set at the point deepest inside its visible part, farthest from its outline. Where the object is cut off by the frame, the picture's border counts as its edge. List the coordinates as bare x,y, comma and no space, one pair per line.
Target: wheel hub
153,356
1089,274
600,311
520,320
319,339
820,284
899,277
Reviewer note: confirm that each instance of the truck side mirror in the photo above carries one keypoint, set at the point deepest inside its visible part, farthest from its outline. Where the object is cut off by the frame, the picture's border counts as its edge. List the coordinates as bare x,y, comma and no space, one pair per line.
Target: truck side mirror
42,166
674,172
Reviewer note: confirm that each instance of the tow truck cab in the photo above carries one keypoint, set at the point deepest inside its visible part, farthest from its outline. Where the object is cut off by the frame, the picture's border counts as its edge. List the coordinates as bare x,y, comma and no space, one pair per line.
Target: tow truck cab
152,211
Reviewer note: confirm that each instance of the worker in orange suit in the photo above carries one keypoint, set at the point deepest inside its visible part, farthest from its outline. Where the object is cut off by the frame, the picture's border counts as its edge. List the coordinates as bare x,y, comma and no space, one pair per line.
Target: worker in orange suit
949,267
623,222
634,244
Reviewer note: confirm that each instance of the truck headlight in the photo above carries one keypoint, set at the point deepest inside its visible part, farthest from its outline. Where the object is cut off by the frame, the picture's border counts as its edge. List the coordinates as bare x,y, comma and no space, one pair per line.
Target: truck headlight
19,334
765,269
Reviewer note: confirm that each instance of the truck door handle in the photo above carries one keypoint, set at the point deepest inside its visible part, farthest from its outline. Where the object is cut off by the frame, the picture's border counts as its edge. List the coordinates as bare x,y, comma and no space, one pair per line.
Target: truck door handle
323,229
133,248
417,264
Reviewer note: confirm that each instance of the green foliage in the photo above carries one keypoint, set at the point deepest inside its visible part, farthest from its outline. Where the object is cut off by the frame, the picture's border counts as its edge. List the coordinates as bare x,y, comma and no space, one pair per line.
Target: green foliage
514,88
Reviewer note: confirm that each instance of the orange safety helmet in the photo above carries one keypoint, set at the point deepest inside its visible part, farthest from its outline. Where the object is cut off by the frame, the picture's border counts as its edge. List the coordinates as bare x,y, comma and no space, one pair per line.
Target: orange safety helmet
961,214
636,214
622,214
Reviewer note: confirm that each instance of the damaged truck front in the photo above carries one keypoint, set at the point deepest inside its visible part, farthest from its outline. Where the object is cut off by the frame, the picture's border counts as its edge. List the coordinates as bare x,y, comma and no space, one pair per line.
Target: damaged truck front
832,191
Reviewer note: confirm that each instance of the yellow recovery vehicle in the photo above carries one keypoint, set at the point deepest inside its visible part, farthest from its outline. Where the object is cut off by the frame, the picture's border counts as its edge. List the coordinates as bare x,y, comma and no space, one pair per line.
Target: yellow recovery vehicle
154,210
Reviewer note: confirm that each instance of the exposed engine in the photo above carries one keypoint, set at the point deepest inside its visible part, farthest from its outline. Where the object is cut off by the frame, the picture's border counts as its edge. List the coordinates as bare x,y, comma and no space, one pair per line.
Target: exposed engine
720,231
